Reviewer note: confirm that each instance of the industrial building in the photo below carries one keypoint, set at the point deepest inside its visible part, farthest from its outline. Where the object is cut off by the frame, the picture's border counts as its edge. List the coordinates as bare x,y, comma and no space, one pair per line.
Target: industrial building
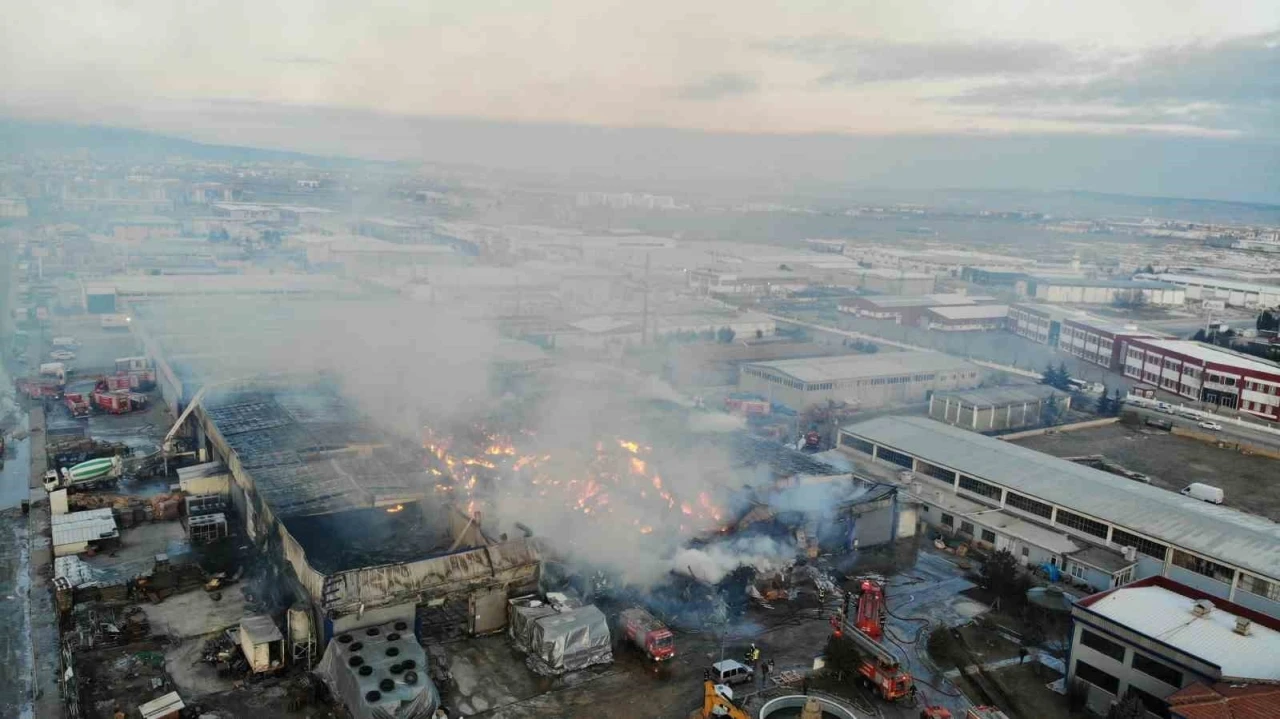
1205,373
803,272
717,364
1097,341
1056,290
906,309
1035,506
1039,323
997,408
350,513
975,318
1232,293
1155,637
865,380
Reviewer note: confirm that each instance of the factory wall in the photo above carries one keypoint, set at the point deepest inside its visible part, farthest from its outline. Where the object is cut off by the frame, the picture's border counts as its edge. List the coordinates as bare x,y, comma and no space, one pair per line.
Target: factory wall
866,392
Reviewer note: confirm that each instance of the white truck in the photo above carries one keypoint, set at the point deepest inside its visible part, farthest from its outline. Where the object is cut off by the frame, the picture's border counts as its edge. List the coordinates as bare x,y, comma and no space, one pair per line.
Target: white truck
65,342
86,475
54,369
1204,492
116,322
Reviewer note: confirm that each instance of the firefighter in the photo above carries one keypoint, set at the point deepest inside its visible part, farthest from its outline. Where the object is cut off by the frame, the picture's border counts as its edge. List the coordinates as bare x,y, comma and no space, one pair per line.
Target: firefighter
752,656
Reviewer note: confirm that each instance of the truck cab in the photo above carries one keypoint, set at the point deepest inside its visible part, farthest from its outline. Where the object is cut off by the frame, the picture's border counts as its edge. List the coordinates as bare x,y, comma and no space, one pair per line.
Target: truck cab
660,645
51,480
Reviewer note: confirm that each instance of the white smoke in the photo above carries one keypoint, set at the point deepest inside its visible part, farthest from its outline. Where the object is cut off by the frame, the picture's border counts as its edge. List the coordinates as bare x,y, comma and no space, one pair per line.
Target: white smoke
712,563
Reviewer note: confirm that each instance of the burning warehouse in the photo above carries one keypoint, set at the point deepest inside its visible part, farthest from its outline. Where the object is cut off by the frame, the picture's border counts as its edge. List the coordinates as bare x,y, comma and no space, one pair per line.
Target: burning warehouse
352,515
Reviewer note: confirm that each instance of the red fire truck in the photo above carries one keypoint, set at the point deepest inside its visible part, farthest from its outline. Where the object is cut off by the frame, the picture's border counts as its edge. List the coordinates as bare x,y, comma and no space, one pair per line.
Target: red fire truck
648,634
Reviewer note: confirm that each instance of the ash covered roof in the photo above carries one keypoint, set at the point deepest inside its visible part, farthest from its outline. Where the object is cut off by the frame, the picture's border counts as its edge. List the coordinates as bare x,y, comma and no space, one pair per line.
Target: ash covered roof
309,453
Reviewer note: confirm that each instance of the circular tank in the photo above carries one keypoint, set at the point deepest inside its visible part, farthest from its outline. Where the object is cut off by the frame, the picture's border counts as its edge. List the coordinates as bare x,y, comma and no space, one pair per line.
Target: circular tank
792,706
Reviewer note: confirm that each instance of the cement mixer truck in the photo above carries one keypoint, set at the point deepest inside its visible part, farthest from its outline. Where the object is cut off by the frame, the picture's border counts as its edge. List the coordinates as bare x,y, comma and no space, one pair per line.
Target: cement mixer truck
86,475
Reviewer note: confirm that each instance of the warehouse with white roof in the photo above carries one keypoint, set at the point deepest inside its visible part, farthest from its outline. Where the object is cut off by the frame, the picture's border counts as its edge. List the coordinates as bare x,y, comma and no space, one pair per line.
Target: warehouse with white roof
868,381
1221,551
1155,637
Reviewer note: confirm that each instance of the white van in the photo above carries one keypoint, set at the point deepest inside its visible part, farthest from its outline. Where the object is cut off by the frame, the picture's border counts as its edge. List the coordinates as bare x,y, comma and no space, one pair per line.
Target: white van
1203,492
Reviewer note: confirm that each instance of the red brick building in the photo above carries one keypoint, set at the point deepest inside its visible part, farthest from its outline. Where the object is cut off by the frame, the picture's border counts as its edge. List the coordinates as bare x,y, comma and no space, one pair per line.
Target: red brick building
1204,373
1097,341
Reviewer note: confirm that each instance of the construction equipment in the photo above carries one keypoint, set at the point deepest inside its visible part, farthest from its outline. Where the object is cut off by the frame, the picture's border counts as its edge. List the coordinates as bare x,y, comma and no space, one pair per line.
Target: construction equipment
879,668
85,475
648,634
717,701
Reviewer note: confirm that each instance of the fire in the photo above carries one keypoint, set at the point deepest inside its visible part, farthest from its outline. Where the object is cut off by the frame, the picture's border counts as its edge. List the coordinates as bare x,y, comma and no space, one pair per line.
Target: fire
397,508
617,482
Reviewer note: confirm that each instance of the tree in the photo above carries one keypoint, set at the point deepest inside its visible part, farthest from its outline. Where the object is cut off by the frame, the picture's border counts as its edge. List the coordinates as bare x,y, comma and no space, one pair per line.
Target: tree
1064,377
1131,707
759,334
1050,411
1117,403
1001,576
725,335
1268,321
1104,408
1049,376
841,657
1149,269
1200,336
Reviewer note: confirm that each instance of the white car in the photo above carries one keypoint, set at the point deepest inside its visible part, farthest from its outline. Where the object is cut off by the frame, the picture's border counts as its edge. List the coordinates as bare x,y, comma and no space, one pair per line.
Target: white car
62,355
1211,425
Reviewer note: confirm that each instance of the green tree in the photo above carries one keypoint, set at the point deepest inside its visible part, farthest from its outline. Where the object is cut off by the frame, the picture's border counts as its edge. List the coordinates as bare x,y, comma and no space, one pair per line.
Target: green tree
725,335
1268,321
1001,576
1117,403
1050,411
1064,377
841,657
1105,406
1131,707
1049,376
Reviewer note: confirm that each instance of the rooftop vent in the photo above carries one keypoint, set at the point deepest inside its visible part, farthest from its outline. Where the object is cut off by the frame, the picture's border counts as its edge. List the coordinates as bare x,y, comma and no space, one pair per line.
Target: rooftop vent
1202,607
1243,626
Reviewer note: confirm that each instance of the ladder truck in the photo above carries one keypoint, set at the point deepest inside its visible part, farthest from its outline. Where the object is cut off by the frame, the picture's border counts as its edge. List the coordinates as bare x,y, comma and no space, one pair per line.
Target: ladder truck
879,669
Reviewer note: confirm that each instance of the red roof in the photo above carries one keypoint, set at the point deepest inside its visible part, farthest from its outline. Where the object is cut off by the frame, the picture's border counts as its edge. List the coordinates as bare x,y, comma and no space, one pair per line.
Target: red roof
1226,701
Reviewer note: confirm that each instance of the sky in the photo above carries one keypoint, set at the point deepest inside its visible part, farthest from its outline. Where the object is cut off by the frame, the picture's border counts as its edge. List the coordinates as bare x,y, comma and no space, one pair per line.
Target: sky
234,69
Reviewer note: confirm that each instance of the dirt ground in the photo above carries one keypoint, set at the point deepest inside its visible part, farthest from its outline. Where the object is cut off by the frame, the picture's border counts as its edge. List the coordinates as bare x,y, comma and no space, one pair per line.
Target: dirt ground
1251,483
1028,684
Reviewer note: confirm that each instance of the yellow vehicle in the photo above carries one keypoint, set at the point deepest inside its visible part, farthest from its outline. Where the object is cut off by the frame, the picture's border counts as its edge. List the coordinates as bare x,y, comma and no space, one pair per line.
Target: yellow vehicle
717,701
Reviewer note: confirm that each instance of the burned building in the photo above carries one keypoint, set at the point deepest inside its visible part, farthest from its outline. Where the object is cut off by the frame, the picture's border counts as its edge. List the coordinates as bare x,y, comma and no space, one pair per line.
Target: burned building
351,515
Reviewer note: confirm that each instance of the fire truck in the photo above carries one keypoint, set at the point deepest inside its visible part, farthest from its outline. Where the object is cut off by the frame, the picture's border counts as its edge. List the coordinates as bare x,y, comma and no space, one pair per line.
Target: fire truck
879,669
648,634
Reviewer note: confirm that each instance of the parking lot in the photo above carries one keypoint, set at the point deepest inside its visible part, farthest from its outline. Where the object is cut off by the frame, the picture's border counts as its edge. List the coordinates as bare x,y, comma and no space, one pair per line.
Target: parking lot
1251,483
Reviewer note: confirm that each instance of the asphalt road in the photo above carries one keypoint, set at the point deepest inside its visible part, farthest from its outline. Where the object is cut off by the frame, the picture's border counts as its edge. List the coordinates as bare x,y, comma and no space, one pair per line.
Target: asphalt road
1230,432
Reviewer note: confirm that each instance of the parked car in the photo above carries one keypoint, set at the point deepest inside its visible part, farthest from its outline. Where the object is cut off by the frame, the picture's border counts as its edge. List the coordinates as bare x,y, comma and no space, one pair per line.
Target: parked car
731,672
1213,426
1203,492
1164,407
62,355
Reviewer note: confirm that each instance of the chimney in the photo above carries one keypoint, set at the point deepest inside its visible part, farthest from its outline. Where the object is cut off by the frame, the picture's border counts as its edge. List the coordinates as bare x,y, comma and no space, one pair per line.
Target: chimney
1202,607
1243,626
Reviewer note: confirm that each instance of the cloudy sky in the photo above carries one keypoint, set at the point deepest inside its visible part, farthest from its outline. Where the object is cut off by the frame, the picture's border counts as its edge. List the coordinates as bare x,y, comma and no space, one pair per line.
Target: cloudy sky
1179,68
